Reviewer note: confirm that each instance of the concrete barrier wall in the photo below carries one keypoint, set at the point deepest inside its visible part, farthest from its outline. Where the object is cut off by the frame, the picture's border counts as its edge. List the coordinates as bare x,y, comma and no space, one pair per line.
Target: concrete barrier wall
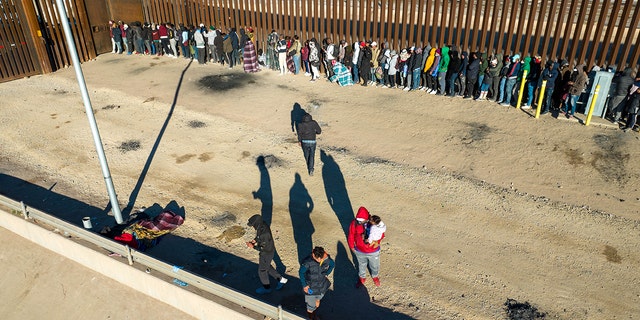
174,296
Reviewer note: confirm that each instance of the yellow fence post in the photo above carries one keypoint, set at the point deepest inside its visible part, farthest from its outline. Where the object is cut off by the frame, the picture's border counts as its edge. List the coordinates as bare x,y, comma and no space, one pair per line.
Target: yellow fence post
540,98
593,103
524,79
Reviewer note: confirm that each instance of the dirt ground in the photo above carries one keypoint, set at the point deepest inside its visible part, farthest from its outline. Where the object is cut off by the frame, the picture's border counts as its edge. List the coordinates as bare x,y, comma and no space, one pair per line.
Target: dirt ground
483,203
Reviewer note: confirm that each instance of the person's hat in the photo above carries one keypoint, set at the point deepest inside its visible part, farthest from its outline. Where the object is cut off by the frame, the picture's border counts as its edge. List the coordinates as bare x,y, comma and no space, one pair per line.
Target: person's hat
201,25
362,43
515,57
361,219
373,44
412,48
211,28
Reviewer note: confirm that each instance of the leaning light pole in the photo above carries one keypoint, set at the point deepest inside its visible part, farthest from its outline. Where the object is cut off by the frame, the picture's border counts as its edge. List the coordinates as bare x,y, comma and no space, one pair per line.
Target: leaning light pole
73,52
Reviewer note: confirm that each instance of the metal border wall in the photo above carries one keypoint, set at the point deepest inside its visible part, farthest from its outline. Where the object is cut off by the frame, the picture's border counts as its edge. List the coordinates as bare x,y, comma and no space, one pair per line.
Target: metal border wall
595,32
192,304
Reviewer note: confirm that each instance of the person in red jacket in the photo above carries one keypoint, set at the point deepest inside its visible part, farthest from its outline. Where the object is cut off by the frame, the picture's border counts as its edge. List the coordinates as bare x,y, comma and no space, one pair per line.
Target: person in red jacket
368,256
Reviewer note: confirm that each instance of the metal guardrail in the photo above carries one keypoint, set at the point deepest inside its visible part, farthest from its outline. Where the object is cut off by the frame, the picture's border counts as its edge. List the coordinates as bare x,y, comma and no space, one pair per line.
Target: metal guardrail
134,256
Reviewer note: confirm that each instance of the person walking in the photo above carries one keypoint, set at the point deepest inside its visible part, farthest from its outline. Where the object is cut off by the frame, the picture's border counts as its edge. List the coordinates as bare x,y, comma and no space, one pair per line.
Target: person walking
368,256
307,131
263,242
314,272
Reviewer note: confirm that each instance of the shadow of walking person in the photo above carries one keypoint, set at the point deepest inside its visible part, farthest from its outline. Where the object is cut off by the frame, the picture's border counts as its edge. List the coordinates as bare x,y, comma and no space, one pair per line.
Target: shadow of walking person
300,208
265,195
296,116
336,190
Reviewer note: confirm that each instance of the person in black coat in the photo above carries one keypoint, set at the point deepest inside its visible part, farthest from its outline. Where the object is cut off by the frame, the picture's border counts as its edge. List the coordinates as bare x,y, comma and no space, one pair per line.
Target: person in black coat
472,75
263,242
454,70
307,131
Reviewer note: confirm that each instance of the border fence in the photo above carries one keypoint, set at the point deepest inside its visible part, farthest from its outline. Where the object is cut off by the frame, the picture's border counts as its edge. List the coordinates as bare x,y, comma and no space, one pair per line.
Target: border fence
601,32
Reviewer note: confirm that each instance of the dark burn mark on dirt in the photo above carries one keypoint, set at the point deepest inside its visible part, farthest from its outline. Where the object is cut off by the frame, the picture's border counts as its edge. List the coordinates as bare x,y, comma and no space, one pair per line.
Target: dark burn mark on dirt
184,158
337,149
149,99
610,161
225,82
196,124
522,311
129,145
61,91
204,157
477,132
612,254
269,161
370,160
287,88
224,219
110,106
575,157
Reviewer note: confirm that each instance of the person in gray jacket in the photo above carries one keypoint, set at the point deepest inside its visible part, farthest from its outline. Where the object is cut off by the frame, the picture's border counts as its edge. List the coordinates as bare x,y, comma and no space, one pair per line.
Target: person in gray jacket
307,131
621,85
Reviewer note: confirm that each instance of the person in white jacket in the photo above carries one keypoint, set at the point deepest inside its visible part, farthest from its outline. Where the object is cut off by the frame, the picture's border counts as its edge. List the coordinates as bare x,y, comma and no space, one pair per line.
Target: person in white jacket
376,229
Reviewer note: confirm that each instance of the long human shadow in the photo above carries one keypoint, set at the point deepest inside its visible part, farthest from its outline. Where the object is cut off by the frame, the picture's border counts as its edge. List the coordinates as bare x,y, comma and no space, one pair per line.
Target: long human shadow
336,190
296,116
300,208
136,189
265,195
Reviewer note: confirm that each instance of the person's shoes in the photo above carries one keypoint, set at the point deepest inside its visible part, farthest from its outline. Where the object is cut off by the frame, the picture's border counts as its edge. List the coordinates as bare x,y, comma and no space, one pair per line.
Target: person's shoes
311,172
526,106
505,104
544,112
360,282
281,283
262,290
406,89
376,281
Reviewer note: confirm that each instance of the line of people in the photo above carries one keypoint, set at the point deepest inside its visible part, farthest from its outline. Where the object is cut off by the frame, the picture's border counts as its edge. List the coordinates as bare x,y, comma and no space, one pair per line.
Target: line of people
199,43
438,71
446,71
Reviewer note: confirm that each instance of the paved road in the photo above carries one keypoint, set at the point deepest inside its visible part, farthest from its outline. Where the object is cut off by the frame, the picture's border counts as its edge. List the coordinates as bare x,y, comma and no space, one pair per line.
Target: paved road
40,284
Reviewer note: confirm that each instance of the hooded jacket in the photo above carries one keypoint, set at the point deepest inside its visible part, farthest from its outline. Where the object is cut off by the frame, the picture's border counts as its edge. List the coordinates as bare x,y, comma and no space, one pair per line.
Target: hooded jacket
308,128
444,59
623,82
473,69
495,71
429,63
465,63
526,65
484,62
355,239
550,75
264,239
454,64
580,83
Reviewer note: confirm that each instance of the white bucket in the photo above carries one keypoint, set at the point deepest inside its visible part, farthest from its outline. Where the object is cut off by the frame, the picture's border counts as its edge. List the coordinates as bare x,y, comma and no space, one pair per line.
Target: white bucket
86,221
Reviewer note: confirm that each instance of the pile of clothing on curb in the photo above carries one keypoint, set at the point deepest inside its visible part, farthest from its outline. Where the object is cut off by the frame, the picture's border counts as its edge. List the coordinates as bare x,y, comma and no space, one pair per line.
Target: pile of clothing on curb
142,233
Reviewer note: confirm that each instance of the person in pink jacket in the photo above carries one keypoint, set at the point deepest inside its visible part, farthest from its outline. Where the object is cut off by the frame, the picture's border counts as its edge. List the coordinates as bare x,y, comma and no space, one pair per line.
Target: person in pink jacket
368,256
